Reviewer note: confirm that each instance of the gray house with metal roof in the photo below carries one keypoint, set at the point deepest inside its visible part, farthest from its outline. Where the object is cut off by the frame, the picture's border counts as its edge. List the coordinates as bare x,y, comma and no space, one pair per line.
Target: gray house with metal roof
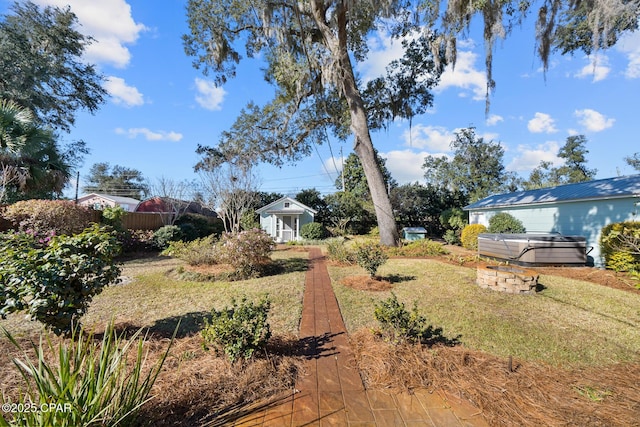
581,209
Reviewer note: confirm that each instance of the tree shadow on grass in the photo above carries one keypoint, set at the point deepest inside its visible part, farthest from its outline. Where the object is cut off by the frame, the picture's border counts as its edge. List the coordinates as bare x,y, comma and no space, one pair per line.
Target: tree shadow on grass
398,278
285,266
189,324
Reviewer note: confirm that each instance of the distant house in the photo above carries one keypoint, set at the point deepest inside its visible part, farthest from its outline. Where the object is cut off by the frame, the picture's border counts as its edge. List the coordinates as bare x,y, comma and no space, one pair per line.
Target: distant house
581,209
100,201
284,218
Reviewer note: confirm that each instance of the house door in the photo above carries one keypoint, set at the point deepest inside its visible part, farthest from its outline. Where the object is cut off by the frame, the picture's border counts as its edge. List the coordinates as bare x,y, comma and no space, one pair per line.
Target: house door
287,228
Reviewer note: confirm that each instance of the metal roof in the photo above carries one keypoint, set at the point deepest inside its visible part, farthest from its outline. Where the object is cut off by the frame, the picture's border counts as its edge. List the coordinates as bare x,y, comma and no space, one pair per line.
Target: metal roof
610,188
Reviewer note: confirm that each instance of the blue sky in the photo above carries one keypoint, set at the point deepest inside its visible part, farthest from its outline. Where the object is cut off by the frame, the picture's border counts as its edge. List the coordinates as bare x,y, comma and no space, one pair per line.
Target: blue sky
161,107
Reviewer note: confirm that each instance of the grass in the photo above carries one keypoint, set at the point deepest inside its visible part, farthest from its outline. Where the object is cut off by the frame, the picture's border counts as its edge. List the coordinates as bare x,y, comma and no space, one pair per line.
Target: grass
568,322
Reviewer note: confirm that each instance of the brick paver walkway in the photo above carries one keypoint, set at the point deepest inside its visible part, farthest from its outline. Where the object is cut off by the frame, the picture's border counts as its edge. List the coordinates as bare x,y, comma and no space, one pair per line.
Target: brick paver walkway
331,393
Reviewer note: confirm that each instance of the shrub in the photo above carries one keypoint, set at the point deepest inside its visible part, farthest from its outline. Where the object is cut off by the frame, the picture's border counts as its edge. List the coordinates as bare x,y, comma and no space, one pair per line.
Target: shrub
503,222
240,330
397,324
166,234
89,383
195,226
451,237
338,251
247,251
370,256
56,283
469,236
621,238
44,217
313,231
453,219
113,216
197,252
136,240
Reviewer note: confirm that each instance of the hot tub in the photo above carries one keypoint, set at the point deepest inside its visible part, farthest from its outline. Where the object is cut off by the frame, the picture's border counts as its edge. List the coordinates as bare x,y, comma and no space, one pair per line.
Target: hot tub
534,249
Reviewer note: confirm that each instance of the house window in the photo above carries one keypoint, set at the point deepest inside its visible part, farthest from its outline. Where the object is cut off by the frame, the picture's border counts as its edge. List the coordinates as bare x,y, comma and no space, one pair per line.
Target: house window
287,204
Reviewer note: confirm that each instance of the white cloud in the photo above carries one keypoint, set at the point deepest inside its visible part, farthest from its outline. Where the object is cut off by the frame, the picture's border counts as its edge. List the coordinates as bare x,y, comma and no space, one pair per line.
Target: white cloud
494,119
597,68
592,120
540,123
465,76
382,50
435,138
529,157
405,166
150,135
209,96
110,23
123,94
629,45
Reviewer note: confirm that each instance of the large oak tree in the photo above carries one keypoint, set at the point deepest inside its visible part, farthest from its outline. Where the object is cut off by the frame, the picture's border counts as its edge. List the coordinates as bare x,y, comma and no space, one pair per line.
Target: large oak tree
310,48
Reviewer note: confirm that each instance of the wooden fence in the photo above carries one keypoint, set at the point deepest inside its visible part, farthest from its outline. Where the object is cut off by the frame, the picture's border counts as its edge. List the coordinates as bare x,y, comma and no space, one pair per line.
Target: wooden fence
145,220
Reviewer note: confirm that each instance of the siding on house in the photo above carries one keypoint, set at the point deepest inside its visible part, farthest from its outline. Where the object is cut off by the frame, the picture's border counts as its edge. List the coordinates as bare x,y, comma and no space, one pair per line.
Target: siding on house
271,216
576,209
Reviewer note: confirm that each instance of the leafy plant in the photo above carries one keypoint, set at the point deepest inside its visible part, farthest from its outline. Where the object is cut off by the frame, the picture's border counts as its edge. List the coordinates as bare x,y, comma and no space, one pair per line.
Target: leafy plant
313,231
239,330
247,251
504,222
197,252
370,256
89,383
42,217
113,215
164,235
397,324
56,283
451,237
623,238
469,236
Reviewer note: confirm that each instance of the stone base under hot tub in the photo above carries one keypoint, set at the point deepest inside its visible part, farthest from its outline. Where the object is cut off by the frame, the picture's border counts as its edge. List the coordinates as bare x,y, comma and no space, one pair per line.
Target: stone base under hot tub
510,279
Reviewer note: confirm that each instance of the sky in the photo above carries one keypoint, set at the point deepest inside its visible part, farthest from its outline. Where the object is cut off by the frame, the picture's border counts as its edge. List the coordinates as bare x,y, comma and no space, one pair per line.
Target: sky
161,108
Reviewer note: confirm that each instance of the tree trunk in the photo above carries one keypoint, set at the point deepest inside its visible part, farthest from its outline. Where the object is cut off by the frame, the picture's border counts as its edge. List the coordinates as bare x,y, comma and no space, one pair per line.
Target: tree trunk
363,145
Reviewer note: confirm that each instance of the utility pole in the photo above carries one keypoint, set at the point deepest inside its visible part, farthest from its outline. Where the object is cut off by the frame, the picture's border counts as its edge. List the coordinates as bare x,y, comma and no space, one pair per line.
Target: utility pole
77,185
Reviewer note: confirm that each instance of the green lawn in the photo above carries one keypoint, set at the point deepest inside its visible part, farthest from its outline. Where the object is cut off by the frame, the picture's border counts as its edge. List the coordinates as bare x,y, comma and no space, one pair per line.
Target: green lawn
568,322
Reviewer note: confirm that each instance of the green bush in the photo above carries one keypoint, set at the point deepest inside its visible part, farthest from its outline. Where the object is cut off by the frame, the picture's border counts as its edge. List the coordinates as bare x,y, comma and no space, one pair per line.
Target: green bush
240,330
113,216
196,226
338,251
397,324
620,246
453,219
370,256
451,237
313,231
56,283
87,382
469,236
48,217
503,222
164,235
197,252
248,251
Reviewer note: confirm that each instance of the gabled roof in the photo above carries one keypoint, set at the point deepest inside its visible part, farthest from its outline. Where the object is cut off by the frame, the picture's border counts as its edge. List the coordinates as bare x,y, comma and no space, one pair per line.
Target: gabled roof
270,207
600,189
116,199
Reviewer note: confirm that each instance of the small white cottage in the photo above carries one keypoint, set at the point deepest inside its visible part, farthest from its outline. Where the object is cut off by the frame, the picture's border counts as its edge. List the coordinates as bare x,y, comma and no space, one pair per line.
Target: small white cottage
284,218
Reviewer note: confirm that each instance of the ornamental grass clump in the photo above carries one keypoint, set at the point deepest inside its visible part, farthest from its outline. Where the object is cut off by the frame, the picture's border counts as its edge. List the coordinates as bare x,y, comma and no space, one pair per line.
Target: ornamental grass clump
84,382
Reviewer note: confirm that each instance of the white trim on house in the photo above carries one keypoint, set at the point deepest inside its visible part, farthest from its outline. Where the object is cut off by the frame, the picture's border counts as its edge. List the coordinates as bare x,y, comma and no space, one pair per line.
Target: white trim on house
284,218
